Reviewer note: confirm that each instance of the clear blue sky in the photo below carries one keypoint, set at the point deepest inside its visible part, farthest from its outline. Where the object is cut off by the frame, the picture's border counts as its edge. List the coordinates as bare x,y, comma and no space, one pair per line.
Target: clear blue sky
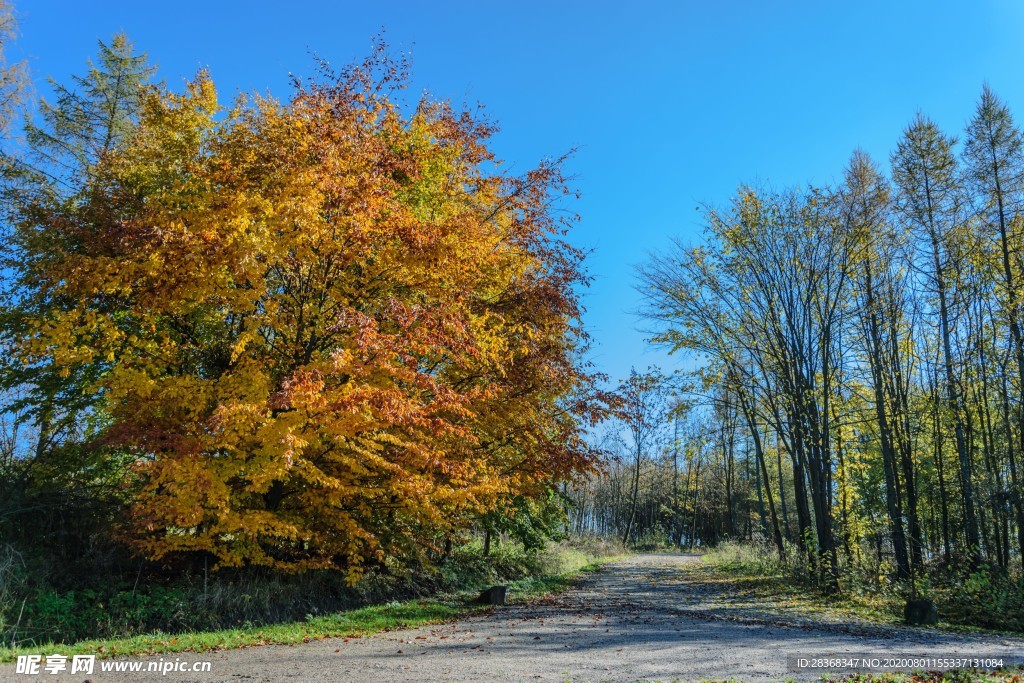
670,104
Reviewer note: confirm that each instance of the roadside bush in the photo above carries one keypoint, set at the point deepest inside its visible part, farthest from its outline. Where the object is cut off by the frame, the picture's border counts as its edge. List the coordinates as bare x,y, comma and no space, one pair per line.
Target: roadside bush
985,597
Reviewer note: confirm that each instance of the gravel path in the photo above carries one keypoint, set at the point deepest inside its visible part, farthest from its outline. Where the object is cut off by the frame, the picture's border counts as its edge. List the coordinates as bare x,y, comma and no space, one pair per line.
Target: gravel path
637,619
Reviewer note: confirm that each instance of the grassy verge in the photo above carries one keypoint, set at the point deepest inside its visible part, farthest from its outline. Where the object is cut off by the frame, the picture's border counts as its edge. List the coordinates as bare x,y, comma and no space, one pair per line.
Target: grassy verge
544,584
775,592
354,623
561,567
755,579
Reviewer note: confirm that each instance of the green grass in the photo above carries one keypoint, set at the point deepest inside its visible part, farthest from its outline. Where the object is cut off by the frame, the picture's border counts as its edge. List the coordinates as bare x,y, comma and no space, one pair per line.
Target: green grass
535,586
354,623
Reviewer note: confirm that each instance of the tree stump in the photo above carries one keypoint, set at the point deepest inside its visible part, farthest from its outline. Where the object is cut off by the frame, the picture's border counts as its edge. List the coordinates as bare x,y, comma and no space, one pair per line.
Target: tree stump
920,612
495,595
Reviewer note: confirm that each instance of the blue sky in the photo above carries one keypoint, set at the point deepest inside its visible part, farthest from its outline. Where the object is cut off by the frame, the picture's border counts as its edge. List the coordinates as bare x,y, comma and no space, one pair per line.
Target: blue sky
670,104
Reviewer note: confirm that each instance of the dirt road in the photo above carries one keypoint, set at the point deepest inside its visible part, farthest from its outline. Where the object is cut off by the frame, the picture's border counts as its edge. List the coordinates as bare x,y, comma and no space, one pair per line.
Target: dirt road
637,619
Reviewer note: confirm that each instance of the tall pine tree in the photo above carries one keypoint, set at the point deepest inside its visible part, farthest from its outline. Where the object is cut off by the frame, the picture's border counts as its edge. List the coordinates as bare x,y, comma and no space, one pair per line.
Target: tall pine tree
49,182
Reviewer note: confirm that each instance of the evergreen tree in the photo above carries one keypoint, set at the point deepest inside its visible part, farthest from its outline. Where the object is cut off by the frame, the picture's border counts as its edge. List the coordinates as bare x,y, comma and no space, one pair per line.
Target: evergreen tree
92,116
46,186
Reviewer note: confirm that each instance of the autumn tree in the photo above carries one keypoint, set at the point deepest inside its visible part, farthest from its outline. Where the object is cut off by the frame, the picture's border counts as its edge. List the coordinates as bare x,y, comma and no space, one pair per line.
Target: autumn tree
327,330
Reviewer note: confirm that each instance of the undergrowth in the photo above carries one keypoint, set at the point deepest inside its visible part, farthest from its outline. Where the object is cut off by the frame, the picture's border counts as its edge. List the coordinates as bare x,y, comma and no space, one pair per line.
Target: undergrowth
32,614
985,597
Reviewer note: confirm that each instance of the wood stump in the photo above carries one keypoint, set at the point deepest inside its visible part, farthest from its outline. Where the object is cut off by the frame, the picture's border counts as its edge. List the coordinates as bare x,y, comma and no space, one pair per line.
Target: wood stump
920,612
495,595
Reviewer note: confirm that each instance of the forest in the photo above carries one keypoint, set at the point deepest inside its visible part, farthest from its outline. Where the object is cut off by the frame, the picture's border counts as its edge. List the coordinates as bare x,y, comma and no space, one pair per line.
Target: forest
327,349
853,397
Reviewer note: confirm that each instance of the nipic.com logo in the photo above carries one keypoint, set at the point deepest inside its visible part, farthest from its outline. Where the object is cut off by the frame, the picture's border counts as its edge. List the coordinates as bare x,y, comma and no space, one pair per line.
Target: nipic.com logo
55,664
36,665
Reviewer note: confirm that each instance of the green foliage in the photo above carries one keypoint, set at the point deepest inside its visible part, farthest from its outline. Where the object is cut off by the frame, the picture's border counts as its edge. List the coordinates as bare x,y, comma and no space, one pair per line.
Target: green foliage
531,521
984,597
